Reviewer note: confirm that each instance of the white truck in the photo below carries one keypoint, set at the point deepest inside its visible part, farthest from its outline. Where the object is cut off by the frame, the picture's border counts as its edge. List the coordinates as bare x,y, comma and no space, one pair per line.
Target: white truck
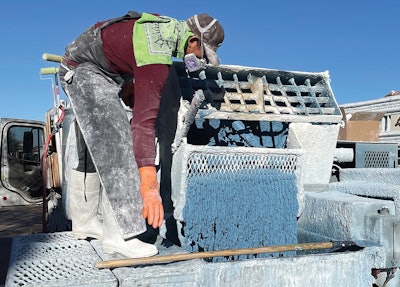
260,194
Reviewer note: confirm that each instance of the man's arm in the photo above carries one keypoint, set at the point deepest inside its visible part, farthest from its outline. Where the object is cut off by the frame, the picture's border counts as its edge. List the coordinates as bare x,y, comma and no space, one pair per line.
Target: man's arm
149,82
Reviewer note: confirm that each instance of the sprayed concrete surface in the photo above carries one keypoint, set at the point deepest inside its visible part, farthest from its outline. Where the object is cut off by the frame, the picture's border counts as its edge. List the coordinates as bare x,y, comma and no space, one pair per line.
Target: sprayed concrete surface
64,267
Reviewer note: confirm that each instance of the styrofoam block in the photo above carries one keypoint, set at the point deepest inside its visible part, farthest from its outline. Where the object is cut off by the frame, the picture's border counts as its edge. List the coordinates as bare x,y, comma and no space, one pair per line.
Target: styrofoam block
306,271
371,189
319,144
382,175
185,274
338,215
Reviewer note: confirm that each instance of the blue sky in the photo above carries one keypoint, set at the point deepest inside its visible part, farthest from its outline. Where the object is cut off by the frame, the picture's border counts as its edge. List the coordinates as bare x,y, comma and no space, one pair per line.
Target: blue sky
356,41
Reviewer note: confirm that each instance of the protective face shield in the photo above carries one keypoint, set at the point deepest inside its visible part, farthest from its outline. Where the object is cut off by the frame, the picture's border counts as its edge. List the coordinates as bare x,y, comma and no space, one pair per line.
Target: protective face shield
211,35
193,63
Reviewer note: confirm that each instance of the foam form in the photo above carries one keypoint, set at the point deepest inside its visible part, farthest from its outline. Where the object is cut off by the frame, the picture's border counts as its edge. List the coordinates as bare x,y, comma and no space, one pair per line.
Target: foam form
319,143
338,215
371,182
341,269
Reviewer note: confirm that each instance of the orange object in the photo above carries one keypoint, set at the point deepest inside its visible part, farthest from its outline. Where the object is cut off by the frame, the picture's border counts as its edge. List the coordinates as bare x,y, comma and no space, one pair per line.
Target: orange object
152,209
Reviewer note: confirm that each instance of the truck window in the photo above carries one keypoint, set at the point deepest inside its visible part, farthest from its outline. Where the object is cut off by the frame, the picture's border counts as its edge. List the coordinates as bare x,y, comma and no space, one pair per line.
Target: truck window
24,152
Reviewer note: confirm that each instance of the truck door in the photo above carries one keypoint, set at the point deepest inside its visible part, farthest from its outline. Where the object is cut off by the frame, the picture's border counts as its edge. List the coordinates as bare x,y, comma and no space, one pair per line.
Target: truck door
21,152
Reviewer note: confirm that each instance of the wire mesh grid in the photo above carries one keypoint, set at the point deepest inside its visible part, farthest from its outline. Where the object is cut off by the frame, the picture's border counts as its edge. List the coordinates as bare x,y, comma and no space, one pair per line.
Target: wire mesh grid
234,91
229,162
257,95
377,159
55,259
223,189
38,250
62,271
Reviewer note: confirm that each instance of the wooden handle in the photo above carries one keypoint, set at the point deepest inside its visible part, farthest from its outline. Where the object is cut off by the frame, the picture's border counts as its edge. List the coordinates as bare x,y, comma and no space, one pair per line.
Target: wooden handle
230,252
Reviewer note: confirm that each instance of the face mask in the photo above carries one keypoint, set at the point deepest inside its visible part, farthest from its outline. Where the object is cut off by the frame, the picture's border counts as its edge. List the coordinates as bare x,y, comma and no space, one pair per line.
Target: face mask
193,63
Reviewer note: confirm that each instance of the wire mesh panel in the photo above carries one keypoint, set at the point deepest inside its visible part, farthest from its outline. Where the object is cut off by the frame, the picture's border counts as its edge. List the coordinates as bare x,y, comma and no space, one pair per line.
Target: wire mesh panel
243,93
55,259
226,163
236,197
258,95
377,159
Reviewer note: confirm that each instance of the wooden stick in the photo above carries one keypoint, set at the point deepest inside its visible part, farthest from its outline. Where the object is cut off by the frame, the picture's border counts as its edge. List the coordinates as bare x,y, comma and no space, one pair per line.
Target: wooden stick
230,252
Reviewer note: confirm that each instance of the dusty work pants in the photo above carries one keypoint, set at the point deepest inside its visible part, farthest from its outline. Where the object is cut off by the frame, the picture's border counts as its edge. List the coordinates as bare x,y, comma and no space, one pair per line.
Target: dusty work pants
105,128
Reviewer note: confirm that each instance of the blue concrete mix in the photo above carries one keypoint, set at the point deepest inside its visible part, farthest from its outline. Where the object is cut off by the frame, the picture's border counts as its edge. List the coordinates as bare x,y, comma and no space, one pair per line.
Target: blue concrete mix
241,209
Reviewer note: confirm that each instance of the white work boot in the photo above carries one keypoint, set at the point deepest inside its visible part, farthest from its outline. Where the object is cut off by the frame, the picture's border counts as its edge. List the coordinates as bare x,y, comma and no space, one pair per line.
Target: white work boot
113,241
84,195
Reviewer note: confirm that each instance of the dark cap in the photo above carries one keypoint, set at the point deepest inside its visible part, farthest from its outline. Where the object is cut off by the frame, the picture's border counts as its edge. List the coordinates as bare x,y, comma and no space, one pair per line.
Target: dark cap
210,32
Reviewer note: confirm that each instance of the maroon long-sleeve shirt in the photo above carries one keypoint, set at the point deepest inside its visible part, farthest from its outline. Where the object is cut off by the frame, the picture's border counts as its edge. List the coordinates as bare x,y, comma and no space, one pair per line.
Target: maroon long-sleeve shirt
149,81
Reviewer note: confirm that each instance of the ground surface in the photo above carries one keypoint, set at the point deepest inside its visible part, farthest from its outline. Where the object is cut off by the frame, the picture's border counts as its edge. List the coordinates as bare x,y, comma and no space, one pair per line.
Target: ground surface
16,220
